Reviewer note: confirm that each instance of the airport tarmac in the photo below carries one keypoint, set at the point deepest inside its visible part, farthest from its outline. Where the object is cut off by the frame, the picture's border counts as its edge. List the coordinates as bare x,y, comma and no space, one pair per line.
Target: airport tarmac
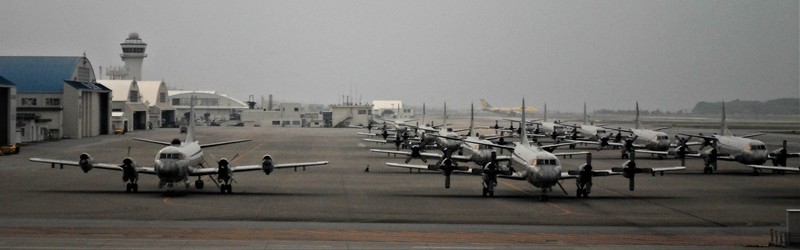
389,207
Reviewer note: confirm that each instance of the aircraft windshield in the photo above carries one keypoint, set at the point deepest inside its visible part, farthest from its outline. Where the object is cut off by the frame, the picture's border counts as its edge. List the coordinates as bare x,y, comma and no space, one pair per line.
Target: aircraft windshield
170,156
758,147
545,162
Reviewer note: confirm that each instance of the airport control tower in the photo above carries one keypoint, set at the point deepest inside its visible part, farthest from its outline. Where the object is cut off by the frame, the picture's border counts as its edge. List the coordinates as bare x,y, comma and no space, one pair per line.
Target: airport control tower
133,55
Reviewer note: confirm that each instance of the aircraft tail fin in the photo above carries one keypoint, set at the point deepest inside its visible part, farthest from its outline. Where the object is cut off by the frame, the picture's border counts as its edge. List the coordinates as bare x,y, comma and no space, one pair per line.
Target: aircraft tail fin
638,123
523,128
485,105
472,119
724,129
585,119
545,113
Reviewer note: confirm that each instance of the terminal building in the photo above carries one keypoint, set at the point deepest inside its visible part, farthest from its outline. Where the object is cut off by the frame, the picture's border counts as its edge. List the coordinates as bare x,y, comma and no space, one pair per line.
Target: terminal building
8,112
57,97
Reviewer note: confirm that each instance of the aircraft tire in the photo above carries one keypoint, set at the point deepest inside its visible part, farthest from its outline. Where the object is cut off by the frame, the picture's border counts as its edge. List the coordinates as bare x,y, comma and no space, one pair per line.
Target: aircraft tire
198,184
222,188
135,187
127,188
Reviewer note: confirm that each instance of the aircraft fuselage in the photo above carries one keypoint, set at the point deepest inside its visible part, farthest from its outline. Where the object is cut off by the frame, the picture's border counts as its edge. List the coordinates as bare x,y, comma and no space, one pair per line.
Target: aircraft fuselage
744,150
172,163
540,168
651,140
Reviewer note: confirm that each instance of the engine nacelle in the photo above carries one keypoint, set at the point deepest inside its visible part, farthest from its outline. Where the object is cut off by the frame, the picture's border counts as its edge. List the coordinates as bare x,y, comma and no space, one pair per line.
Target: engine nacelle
626,169
129,170
86,162
266,164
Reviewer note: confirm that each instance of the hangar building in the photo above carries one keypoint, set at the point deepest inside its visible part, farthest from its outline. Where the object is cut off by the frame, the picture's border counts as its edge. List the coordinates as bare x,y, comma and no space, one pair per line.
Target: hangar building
128,110
8,112
57,97
209,105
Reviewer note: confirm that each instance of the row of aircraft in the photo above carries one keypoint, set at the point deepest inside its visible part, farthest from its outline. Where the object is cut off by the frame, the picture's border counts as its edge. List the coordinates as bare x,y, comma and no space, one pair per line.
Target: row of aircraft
538,165
527,160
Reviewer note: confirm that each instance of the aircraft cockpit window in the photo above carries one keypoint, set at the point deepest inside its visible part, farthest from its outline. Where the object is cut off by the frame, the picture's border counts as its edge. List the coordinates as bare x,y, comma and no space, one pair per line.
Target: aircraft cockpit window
758,147
600,131
170,156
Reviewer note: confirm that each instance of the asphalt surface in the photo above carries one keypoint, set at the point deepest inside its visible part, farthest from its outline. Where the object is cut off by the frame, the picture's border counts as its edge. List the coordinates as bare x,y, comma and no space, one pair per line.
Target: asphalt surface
342,206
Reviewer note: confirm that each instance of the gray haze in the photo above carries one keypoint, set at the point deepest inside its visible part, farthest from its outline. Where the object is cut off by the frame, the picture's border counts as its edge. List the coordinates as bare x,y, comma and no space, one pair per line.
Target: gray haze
665,54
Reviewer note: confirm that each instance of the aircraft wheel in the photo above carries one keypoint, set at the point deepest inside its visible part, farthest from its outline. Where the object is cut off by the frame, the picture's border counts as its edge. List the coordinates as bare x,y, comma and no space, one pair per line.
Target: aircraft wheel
708,170
579,193
585,194
543,197
484,192
127,188
230,188
135,187
755,172
491,193
198,184
223,188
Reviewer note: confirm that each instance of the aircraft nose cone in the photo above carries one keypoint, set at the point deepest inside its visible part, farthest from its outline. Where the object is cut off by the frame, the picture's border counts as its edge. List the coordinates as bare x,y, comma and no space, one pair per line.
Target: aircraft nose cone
168,170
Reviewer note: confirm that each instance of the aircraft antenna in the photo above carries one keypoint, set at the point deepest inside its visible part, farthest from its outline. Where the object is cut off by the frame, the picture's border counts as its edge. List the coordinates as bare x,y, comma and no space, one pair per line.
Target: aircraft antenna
523,130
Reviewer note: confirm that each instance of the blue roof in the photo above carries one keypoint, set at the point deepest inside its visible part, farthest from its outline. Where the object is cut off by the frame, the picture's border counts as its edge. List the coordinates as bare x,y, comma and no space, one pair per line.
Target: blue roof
40,74
5,82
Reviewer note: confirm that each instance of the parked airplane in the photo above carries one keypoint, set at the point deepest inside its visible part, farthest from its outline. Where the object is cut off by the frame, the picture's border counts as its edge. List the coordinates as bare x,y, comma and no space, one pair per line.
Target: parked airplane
588,133
649,141
753,153
538,167
550,129
505,110
178,161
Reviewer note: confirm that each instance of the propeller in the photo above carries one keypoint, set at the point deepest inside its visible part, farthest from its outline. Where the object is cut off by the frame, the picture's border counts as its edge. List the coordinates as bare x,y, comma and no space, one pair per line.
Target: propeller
415,149
779,156
384,133
629,170
585,174
710,156
628,146
706,142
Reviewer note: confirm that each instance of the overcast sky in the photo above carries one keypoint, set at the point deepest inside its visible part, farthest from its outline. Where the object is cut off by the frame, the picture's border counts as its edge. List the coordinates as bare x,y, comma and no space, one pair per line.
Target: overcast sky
665,54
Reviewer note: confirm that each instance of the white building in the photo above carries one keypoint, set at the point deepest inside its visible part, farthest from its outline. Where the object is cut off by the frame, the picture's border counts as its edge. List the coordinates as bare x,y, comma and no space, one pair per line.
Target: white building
284,115
209,105
344,115
392,108
133,56
128,109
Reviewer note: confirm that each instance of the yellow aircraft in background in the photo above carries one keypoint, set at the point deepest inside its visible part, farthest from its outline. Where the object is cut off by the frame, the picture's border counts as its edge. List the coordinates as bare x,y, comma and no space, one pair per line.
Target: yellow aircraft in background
506,110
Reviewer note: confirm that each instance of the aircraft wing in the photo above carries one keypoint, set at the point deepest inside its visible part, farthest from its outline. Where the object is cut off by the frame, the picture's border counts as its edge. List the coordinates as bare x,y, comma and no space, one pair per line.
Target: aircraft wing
557,145
461,170
376,140
652,152
779,168
223,143
753,135
425,154
106,166
246,168
569,153
668,169
573,174
411,166
152,141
